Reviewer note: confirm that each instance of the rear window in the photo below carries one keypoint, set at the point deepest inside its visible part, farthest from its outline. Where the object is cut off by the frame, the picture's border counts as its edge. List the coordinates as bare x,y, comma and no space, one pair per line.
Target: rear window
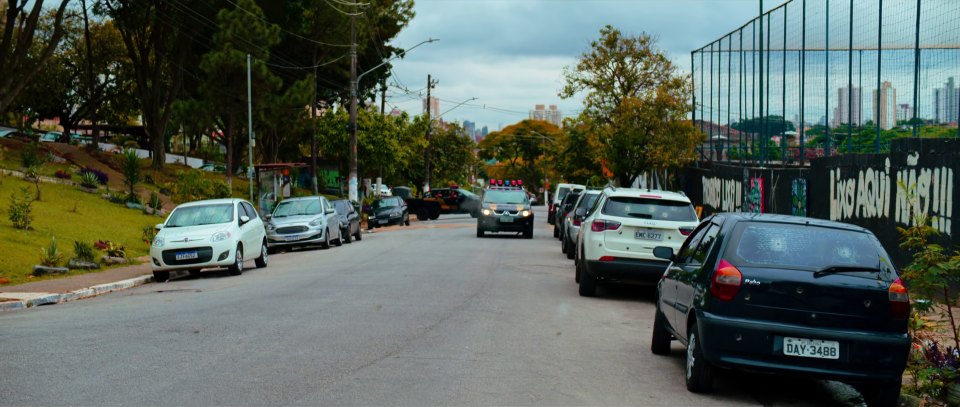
805,247
647,208
587,201
562,192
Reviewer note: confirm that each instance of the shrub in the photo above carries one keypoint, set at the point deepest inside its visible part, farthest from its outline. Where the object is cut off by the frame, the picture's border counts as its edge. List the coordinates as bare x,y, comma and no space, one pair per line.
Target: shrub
154,201
83,251
30,156
193,186
62,174
149,232
19,212
50,256
130,163
110,248
102,177
89,180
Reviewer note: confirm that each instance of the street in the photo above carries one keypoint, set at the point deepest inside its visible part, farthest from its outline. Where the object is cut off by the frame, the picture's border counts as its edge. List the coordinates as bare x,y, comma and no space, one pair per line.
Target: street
421,315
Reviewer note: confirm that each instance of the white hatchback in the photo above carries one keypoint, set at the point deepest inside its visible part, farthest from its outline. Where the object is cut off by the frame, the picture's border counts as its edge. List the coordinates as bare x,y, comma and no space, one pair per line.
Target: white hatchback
211,233
619,233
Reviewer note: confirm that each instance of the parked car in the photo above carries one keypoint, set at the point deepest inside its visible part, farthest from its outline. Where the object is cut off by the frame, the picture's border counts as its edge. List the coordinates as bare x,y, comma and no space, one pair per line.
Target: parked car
391,210
213,167
788,295
303,221
624,228
571,223
454,200
6,132
50,137
558,194
566,205
211,233
349,220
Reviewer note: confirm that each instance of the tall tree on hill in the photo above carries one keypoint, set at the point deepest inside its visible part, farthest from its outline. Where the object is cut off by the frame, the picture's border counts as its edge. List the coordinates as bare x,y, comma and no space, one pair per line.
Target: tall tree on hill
20,57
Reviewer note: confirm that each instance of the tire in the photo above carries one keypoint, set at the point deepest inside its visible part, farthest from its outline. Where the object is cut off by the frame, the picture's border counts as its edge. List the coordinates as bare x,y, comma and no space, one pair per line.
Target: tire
556,230
576,272
423,214
161,276
571,252
699,373
326,239
528,234
264,254
434,216
359,234
480,232
406,219
660,342
349,237
588,283
339,241
195,273
563,247
883,394
237,268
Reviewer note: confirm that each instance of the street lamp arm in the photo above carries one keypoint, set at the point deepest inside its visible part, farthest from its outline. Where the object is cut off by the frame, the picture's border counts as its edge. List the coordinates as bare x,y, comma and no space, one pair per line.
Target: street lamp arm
402,54
458,105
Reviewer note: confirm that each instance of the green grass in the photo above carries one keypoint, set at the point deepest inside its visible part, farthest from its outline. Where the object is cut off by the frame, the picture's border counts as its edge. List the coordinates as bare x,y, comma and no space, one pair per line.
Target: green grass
94,219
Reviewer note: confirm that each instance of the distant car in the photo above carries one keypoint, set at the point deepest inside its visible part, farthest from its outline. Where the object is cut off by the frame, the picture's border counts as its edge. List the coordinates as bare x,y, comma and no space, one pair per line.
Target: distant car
213,167
303,221
454,200
625,225
50,137
349,220
384,190
6,132
787,295
211,233
571,223
391,210
558,194
566,205
505,210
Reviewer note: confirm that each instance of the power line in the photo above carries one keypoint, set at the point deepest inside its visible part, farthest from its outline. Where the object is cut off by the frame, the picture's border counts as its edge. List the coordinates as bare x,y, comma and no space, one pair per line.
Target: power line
287,31
341,11
309,67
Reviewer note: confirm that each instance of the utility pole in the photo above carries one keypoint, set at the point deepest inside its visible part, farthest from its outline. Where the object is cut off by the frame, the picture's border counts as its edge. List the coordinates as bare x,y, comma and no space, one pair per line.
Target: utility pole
426,183
352,183
250,171
313,135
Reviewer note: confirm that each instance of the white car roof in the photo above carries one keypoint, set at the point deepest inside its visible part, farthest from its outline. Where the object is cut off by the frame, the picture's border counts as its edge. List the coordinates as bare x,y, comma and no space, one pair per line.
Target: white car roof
647,193
212,202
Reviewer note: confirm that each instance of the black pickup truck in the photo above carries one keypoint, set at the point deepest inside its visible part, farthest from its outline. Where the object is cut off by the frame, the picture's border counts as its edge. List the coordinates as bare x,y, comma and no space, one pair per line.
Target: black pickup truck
424,209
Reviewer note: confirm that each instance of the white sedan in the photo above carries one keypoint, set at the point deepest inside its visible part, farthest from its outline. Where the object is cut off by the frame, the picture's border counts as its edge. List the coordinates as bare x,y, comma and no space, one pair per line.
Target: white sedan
211,233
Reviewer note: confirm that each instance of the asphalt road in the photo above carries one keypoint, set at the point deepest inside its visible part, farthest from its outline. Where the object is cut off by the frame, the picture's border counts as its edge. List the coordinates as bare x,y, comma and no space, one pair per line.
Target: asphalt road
419,315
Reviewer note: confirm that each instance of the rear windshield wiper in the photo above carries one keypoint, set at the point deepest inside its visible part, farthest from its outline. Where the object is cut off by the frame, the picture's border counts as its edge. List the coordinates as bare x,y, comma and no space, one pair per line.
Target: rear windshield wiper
844,269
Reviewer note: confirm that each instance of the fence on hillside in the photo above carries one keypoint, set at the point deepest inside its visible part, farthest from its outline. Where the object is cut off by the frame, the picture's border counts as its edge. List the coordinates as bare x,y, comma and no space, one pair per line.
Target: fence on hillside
814,78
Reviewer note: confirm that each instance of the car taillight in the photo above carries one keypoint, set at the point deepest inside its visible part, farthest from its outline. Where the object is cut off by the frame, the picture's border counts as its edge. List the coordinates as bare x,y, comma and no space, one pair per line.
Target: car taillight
602,225
686,230
576,221
607,258
726,281
899,300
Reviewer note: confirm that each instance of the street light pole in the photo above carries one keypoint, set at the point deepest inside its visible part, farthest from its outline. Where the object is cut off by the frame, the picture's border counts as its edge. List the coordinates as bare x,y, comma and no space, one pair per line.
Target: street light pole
250,172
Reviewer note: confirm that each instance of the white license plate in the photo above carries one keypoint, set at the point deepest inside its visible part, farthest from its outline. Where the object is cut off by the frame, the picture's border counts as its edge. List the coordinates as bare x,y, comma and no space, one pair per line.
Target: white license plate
649,234
383,221
293,237
506,219
187,255
811,348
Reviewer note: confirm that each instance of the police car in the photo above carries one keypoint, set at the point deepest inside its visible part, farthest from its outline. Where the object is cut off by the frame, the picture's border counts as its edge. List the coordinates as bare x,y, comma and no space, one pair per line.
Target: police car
505,208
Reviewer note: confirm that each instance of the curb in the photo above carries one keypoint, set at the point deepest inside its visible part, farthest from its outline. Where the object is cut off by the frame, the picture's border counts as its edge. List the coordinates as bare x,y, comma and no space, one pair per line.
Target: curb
80,294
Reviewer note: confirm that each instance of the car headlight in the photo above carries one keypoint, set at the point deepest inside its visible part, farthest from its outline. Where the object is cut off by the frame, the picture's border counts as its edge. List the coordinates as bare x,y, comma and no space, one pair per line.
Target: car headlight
316,222
158,241
486,212
271,227
220,236
525,213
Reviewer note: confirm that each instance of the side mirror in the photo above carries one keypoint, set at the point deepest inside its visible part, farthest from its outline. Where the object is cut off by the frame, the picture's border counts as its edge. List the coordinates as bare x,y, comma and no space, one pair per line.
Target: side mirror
158,226
663,252
331,210
267,216
244,218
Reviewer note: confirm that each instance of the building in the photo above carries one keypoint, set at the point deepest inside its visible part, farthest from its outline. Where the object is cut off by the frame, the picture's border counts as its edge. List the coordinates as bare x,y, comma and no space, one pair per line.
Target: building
904,111
843,114
551,115
945,100
885,107
433,104
469,128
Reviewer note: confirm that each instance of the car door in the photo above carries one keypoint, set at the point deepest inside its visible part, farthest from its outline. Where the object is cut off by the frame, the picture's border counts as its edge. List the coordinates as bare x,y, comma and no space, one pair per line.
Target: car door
250,231
692,276
673,274
331,215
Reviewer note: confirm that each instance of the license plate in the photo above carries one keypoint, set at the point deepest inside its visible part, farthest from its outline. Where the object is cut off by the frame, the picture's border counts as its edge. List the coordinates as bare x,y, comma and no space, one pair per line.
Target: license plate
383,221
811,348
187,255
293,237
649,234
506,219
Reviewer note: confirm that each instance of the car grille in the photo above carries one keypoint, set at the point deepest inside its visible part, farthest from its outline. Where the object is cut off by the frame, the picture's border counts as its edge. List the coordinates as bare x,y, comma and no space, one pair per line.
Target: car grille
501,213
291,229
204,254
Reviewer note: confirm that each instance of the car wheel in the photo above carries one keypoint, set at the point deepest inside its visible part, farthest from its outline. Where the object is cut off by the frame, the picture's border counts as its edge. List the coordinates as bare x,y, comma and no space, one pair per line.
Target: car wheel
588,283
161,276
326,239
434,216
264,254
563,247
576,272
237,268
884,394
348,237
660,342
423,214
556,231
359,234
339,241
406,219
699,372
571,252
480,232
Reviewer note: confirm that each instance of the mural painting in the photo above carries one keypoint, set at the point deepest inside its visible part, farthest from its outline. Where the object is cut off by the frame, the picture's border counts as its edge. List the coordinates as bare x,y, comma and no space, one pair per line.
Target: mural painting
754,202
798,192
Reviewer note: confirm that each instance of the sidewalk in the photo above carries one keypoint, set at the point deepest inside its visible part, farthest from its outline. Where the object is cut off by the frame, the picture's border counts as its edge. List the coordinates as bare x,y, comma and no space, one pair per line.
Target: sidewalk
74,287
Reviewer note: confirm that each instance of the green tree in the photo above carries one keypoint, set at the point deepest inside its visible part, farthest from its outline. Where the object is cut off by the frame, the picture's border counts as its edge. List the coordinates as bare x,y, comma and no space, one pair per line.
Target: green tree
22,51
577,155
520,150
636,102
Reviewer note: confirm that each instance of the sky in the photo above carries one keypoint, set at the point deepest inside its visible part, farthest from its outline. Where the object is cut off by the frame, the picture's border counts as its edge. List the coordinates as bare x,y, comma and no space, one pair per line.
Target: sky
510,54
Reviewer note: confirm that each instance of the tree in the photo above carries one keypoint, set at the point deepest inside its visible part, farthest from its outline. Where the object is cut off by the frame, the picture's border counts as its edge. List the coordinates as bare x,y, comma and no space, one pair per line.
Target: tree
20,57
577,156
636,102
519,150
770,125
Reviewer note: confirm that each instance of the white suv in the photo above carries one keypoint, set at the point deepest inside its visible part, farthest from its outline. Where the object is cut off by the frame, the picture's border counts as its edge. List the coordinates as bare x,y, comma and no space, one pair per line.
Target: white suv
620,231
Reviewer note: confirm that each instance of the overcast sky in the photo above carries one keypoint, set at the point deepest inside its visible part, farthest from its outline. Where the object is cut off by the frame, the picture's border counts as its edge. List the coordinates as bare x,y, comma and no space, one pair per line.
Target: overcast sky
509,54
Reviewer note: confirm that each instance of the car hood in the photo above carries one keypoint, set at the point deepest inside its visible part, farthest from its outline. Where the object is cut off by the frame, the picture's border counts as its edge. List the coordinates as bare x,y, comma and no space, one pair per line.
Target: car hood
386,211
294,220
192,233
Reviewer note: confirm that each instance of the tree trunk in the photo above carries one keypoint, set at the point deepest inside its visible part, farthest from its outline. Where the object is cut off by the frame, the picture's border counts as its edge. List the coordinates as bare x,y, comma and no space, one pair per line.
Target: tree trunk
158,143
228,136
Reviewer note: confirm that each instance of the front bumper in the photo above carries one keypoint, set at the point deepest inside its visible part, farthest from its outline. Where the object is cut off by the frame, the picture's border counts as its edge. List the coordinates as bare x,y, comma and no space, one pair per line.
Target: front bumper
310,236
626,270
505,223
209,254
387,220
753,345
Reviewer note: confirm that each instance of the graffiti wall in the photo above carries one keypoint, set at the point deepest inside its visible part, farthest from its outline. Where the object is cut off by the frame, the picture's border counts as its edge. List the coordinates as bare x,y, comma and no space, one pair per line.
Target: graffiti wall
877,191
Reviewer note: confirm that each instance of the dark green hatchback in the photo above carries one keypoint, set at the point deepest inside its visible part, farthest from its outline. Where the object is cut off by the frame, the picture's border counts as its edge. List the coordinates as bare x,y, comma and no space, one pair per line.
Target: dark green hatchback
786,295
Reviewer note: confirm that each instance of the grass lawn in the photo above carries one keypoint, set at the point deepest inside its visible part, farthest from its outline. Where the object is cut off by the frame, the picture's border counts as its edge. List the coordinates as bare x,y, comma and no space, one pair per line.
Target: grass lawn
94,219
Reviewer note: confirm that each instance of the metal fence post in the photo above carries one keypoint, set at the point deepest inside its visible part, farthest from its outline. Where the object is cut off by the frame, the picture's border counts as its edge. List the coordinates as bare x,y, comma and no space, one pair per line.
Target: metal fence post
765,142
783,82
803,78
693,82
850,83
729,85
710,142
742,95
877,113
916,73
703,112
826,85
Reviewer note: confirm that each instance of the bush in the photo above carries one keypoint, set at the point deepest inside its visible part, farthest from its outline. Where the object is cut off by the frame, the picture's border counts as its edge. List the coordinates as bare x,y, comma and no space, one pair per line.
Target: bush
89,180
19,212
30,156
50,256
62,174
102,177
83,251
130,163
110,248
193,186
149,232
154,201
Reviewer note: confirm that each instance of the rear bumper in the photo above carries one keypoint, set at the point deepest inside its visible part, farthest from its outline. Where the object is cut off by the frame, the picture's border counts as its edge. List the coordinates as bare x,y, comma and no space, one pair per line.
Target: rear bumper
758,346
624,270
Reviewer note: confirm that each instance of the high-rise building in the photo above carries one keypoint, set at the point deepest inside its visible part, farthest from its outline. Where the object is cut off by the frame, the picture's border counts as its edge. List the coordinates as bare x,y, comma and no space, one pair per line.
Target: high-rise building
885,107
945,102
484,131
843,114
434,105
904,111
469,127
551,115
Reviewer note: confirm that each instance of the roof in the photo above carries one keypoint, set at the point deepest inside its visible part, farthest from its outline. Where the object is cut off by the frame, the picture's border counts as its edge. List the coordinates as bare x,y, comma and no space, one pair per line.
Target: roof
796,220
211,202
648,193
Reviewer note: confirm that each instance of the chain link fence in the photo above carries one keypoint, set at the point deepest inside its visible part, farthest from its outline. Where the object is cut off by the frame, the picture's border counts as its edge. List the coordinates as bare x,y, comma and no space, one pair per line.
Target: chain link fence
814,78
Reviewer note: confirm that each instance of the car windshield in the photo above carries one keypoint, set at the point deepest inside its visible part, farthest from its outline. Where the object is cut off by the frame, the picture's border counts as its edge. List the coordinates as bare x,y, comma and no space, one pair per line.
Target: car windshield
385,203
342,207
299,207
649,208
505,197
805,246
200,215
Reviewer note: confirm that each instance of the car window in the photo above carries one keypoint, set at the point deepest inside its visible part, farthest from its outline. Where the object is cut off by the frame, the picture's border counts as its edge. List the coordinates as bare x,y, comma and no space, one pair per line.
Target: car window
343,207
804,246
596,204
587,201
685,254
297,207
649,208
699,256
200,215
251,212
384,203
561,193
